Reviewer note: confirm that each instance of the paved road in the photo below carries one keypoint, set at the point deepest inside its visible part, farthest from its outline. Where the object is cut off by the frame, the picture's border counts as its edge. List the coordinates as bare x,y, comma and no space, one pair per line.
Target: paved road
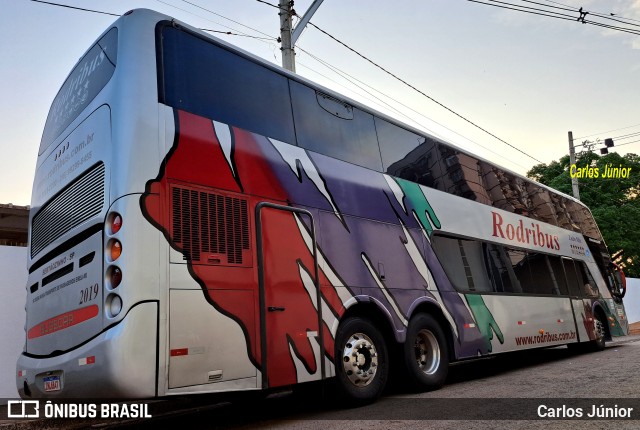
487,394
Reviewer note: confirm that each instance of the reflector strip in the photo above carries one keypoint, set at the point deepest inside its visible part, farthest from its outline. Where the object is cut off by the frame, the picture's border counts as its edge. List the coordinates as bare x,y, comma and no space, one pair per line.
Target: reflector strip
560,321
522,322
469,325
22,373
63,321
179,352
86,360
188,351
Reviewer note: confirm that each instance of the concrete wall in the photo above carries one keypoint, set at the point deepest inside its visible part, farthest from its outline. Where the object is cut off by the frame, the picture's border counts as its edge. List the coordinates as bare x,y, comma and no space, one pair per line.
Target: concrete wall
13,281
632,300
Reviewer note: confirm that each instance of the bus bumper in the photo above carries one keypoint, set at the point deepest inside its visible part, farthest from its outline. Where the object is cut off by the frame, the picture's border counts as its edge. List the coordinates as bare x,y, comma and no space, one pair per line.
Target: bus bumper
120,362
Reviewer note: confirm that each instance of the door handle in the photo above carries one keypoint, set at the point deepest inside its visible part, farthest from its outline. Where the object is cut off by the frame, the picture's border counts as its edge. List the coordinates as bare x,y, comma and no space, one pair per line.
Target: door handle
275,308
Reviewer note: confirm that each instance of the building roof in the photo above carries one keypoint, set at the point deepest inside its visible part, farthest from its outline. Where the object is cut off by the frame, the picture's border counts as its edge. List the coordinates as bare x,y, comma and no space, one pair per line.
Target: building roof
14,224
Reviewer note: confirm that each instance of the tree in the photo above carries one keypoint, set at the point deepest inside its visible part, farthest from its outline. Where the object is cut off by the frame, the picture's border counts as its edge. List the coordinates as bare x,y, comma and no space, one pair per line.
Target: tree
614,202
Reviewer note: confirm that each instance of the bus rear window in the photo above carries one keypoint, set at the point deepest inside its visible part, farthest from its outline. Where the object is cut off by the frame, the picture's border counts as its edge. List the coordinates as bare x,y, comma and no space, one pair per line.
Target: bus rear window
86,80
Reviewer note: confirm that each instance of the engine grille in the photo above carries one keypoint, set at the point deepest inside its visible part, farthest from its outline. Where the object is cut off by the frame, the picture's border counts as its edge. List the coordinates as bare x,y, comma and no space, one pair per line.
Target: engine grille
79,202
209,227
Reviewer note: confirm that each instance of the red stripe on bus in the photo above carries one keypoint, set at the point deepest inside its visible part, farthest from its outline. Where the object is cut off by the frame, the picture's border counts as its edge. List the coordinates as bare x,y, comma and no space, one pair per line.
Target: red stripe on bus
63,321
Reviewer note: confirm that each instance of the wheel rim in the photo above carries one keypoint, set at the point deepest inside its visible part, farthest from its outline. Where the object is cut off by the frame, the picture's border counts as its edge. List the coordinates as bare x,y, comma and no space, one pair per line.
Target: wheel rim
360,360
427,352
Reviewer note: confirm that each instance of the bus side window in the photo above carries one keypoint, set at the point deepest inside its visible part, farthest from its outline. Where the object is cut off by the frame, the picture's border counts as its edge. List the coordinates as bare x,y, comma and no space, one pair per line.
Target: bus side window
462,260
408,155
499,267
590,288
544,280
519,270
575,288
555,265
207,80
344,132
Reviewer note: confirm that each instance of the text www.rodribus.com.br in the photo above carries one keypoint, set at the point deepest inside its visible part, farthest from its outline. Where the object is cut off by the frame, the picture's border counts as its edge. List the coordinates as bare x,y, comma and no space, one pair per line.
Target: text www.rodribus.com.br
545,338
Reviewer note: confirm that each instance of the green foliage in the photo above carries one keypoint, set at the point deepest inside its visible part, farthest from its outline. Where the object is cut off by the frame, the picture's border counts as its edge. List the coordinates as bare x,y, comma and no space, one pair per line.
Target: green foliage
614,202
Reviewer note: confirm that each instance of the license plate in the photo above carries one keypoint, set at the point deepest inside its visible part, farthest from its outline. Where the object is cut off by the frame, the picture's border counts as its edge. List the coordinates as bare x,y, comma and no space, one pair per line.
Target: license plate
51,383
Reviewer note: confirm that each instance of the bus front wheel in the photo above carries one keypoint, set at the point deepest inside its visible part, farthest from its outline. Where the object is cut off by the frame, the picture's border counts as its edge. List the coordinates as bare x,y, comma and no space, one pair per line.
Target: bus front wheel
426,354
362,366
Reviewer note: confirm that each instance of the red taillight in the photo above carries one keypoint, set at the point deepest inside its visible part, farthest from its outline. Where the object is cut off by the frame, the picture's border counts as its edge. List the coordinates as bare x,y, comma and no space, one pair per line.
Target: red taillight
114,275
114,223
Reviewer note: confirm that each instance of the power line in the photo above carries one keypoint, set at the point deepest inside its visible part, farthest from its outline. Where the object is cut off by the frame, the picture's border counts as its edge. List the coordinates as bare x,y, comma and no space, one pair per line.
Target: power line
229,19
272,5
628,143
237,34
351,78
269,38
420,91
626,136
558,15
76,8
609,131
601,14
567,8
533,11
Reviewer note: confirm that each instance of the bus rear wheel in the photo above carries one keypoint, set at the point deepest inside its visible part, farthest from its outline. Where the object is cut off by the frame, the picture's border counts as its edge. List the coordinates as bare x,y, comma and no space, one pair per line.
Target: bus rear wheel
362,366
600,332
426,355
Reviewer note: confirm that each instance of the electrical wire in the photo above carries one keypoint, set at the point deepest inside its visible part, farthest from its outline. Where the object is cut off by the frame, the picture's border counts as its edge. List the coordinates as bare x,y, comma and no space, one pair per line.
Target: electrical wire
237,34
76,8
563,16
421,92
518,8
272,5
626,136
228,19
351,78
627,143
609,131
601,14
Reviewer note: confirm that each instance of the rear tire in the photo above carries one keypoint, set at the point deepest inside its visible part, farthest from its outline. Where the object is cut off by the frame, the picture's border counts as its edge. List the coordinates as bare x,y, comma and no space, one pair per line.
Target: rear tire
361,361
600,330
426,355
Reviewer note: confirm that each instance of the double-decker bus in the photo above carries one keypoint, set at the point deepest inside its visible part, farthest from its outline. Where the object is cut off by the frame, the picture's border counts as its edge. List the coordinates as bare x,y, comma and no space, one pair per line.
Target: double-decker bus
204,221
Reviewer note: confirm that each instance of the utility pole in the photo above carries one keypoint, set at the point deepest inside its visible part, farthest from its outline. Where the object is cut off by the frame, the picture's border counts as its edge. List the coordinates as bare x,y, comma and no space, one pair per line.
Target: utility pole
572,161
288,55
288,34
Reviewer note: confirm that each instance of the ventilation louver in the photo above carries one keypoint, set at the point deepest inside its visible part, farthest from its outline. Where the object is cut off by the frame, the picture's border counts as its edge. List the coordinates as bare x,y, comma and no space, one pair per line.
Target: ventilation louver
210,228
82,200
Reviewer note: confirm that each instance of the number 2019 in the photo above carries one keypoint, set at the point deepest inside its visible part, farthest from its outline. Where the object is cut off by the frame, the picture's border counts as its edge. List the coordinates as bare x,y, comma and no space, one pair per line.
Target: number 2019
89,293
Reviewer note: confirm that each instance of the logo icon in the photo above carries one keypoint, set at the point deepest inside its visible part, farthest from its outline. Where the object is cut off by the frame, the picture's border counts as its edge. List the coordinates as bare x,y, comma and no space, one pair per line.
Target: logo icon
23,409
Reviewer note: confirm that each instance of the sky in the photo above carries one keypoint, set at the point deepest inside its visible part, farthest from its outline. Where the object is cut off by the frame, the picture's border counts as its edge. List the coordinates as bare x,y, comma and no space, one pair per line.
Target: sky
525,78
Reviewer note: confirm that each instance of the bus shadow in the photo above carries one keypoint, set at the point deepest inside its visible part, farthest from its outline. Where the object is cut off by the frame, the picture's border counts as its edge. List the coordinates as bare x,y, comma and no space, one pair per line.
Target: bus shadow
317,401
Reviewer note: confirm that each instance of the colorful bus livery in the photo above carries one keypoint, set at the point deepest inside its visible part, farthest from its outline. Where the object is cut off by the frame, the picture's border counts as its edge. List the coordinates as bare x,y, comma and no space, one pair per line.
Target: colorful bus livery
231,226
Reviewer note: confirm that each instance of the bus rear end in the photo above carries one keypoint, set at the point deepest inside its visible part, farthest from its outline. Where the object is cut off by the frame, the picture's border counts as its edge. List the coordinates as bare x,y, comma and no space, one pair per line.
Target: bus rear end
89,332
